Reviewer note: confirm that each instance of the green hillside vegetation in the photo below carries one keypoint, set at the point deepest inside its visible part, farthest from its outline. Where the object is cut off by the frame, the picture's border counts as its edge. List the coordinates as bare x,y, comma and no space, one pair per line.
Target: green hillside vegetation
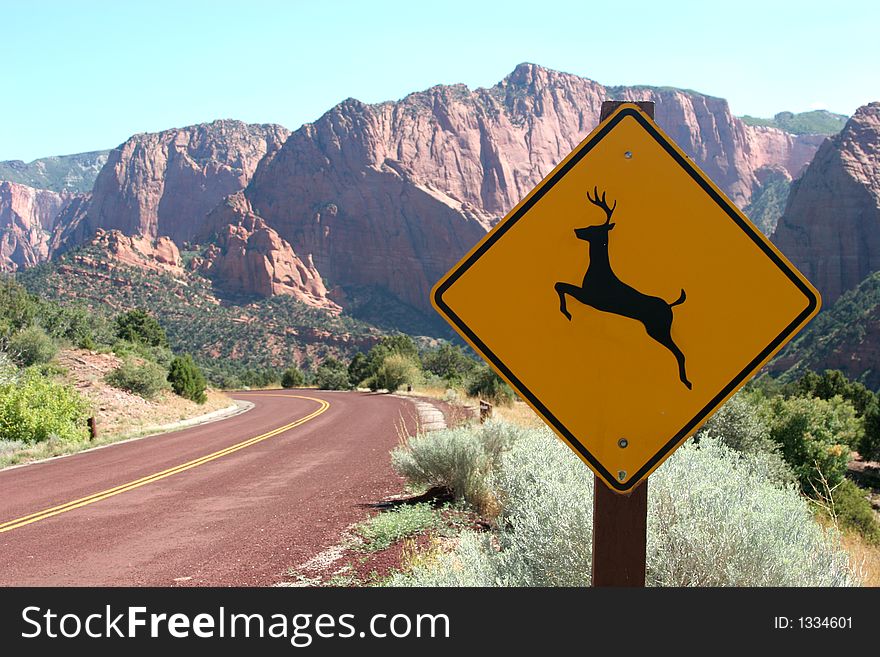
75,173
816,122
847,327
37,405
768,203
236,342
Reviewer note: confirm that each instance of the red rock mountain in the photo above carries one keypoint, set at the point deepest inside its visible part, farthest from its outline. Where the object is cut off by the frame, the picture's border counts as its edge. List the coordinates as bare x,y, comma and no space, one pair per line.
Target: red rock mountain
390,195
831,225
27,216
387,195
166,183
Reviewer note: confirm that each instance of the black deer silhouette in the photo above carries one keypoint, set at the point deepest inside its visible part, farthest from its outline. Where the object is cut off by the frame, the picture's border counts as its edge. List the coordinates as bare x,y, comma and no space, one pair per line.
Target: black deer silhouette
603,291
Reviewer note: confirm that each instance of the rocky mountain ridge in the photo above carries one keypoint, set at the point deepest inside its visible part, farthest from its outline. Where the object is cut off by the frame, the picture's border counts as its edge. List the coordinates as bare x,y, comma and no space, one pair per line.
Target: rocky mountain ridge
74,174
831,225
416,182
27,216
384,196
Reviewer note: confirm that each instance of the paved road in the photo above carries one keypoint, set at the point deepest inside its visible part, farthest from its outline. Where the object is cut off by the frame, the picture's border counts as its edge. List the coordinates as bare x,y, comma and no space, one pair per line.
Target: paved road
232,503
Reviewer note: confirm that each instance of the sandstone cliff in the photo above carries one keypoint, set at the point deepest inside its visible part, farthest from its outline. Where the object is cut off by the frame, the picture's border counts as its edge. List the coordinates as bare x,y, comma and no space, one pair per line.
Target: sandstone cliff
246,256
166,183
390,195
831,225
27,216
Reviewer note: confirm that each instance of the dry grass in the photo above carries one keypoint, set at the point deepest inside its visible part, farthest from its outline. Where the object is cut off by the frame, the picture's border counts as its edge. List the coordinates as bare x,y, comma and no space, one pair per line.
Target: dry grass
432,392
413,555
864,558
166,409
519,413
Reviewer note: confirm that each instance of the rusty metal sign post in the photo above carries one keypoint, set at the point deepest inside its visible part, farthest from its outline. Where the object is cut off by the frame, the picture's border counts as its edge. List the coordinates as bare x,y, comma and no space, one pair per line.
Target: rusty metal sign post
620,522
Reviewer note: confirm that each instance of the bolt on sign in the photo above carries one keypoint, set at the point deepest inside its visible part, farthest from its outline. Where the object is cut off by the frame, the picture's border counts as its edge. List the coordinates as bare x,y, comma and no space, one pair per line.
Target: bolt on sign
626,298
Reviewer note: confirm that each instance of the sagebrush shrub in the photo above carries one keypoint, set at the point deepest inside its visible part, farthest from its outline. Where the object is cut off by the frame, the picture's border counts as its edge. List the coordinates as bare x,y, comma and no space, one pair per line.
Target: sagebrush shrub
145,378
714,520
460,460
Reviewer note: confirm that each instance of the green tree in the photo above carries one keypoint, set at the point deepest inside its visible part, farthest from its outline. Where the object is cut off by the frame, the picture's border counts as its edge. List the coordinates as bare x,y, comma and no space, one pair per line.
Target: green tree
187,380
358,369
395,371
77,324
399,343
815,436
31,346
332,375
260,378
292,378
485,384
449,362
17,308
139,326
834,382
852,510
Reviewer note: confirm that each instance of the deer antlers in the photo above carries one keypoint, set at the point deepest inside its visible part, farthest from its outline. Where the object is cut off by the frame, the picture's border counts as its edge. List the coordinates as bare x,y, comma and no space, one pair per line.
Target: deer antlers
602,203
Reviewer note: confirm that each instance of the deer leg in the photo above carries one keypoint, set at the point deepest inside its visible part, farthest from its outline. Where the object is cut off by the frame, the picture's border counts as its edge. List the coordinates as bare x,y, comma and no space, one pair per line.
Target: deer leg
562,289
665,339
679,356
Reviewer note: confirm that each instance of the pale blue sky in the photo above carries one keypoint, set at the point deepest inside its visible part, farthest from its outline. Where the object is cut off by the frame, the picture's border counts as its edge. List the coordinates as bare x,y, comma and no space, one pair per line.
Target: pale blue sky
78,75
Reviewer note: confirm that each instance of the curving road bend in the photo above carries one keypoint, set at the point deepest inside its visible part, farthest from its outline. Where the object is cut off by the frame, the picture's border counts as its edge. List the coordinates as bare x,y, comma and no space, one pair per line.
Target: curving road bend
231,503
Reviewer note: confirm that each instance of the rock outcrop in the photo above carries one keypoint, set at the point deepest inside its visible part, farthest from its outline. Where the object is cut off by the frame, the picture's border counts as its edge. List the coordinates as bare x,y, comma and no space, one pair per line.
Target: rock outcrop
831,225
390,195
166,183
27,216
159,255
246,256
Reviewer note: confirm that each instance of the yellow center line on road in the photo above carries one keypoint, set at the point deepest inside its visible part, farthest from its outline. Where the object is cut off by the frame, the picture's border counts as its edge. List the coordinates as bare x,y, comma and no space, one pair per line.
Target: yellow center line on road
143,481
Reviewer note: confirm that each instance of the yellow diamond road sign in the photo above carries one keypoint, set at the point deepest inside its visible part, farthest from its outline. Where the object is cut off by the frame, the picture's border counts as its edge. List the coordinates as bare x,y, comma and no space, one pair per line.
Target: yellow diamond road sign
625,298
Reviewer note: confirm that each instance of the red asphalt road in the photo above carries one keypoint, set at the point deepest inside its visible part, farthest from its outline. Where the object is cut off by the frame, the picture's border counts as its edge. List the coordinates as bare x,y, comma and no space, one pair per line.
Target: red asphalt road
240,519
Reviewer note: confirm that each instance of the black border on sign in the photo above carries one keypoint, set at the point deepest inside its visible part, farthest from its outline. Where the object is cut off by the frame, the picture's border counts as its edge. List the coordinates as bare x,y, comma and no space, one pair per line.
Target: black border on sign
779,340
